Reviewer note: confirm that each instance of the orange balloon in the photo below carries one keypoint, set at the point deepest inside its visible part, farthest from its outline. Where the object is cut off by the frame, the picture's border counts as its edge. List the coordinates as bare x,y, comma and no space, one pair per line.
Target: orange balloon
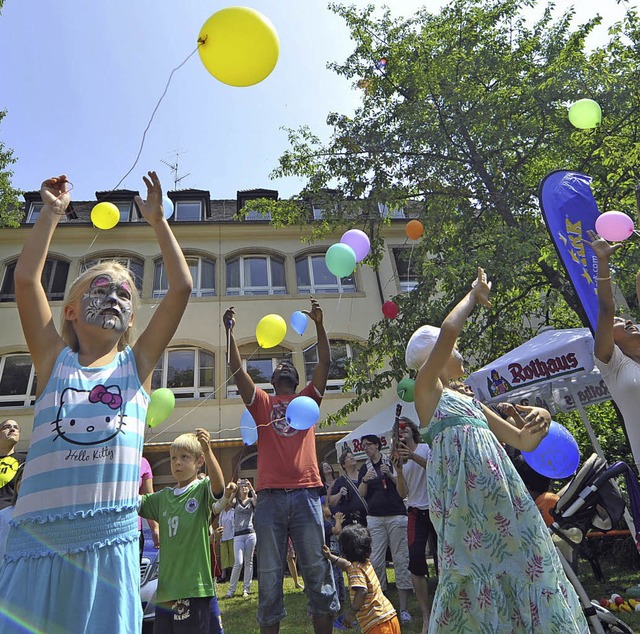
414,229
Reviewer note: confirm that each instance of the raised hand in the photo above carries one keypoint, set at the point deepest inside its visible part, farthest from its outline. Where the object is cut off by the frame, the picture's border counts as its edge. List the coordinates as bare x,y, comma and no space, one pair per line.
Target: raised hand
203,437
55,193
315,313
600,246
230,489
151,208
228,319
480,289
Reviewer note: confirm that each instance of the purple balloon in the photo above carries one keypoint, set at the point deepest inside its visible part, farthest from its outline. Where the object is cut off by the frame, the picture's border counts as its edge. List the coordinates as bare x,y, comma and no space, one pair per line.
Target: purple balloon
358,241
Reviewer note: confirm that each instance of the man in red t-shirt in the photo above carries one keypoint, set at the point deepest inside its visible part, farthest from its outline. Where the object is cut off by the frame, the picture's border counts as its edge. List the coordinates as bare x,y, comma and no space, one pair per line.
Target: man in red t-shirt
289,486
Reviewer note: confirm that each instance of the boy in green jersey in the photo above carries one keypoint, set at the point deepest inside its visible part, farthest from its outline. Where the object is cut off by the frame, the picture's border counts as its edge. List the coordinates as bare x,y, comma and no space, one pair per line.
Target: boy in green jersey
186,590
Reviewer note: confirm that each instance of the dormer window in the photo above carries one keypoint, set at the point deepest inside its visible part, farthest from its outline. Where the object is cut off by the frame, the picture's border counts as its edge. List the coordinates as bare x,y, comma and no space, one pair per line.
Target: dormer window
188,210
123,200
245,197
385,212
34,212
190,205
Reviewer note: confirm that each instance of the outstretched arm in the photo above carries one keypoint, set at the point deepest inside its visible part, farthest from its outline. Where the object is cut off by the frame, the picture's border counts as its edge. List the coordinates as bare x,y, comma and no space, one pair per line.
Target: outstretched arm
40,333
245,383
428,387
216,479
321,371
164,323
604,344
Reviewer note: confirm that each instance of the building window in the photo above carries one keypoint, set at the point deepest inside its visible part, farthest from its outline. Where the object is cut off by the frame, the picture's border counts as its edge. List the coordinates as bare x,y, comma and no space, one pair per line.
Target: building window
317,212
256,275
313,276
54,280
203,273
187,372
258,215
259,367
406,268
134,266
34,211
125,210
385,212
341,355
187,210
17,381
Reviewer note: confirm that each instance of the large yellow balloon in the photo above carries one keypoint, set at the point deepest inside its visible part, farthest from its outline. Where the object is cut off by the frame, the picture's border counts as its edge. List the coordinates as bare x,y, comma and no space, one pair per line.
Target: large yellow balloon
105,215
270,331
238,46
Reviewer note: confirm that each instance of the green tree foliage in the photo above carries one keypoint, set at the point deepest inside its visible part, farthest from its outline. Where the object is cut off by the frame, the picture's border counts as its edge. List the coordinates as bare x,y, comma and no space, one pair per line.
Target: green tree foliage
461,124
10,207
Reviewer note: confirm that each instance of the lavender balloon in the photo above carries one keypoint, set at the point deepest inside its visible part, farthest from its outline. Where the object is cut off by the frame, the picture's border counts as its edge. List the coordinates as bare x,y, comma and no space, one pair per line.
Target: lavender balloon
358,241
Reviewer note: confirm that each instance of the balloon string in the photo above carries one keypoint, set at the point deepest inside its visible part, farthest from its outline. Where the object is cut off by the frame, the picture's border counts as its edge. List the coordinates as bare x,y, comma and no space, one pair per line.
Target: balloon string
204,400
153,114
409,264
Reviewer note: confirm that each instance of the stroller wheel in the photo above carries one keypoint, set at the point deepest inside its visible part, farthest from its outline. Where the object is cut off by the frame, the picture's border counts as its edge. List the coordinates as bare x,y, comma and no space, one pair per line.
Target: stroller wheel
609,622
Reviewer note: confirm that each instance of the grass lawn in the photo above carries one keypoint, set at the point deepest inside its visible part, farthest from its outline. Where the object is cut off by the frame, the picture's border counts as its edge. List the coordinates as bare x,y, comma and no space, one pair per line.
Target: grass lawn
239,615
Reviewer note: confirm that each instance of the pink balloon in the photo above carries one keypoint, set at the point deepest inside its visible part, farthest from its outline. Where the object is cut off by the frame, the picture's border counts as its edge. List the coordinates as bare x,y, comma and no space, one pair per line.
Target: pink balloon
614,226
358,241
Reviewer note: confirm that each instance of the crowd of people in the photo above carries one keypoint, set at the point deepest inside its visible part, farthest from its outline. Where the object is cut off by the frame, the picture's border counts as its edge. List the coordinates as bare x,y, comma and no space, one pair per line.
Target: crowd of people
72,551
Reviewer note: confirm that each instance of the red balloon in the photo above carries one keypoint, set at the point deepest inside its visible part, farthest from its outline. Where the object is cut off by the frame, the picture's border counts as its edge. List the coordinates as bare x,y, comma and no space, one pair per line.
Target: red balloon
390,310
414,229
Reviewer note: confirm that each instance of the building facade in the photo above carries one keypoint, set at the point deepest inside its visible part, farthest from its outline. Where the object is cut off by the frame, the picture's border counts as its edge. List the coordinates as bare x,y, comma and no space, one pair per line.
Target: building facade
247,264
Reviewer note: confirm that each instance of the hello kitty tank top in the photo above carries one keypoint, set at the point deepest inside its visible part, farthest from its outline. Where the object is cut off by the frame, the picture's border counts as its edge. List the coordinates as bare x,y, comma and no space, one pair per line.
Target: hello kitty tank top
80,483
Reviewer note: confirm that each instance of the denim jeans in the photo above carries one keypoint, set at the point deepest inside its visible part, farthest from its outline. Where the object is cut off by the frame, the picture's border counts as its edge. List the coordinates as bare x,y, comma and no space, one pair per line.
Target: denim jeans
294,512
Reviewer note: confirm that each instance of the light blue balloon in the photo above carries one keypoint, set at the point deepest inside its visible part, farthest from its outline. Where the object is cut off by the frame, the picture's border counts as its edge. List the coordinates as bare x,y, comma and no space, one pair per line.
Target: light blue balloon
299,322
557,455
248,428
302,412
167,205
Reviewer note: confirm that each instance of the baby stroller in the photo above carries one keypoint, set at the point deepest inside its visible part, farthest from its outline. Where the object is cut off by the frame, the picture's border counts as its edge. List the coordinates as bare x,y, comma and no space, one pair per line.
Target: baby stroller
590,500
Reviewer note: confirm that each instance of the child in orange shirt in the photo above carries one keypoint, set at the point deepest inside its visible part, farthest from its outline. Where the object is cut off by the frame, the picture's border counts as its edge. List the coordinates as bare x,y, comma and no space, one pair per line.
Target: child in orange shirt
369,606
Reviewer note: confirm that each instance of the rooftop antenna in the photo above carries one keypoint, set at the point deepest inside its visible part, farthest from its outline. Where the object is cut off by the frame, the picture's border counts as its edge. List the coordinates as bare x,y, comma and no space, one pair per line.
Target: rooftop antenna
174,168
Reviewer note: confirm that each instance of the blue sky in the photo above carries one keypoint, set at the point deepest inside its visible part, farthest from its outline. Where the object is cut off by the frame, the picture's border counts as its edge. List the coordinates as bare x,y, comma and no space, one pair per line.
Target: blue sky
80,79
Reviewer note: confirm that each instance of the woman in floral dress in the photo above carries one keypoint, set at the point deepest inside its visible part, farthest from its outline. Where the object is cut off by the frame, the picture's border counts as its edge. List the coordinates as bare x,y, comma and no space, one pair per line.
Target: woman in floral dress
499,571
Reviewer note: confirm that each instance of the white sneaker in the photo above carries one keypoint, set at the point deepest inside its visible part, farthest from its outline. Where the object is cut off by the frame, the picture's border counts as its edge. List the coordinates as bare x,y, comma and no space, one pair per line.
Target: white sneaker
405,617
245,595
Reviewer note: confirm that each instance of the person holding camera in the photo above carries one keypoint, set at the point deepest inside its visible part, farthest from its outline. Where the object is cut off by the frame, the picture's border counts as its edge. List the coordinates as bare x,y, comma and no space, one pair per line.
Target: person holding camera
344,496
244,536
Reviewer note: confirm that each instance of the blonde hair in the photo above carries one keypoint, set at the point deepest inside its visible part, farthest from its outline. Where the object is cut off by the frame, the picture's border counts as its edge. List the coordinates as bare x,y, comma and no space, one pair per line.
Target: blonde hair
189,443
80,286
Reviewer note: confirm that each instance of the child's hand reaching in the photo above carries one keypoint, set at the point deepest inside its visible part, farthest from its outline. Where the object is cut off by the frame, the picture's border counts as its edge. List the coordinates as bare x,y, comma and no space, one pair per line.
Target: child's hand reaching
480,289
326,553
230,489
203,438
54,192
151,209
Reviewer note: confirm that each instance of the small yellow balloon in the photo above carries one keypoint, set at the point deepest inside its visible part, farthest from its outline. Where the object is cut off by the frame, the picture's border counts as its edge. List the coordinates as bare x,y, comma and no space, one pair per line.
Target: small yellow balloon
105,215
270,331
238,46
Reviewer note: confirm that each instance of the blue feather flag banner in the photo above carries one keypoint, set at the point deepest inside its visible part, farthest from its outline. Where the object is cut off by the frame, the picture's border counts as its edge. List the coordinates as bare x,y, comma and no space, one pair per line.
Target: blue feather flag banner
569,210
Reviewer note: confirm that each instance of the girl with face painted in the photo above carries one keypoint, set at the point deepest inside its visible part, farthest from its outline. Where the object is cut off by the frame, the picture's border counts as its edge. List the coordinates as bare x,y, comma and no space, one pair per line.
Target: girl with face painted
73,563
499,571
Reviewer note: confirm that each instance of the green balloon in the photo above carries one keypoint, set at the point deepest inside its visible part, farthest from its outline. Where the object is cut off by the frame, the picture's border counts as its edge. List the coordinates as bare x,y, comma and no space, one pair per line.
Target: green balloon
160,406
405,389
340,259
585,114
